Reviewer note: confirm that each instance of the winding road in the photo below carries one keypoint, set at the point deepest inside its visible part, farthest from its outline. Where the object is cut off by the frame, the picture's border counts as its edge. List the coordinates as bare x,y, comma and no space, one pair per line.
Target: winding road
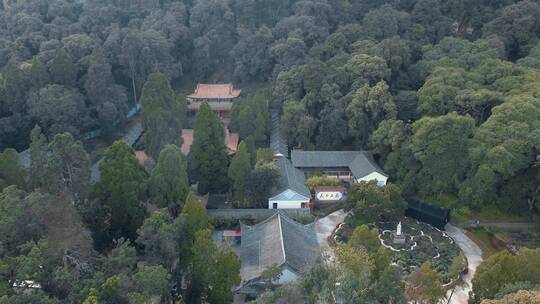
473,253
324,228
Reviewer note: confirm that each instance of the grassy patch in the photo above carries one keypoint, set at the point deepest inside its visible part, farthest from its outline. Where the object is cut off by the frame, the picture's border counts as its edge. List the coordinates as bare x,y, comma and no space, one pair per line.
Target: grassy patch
482,238
492,213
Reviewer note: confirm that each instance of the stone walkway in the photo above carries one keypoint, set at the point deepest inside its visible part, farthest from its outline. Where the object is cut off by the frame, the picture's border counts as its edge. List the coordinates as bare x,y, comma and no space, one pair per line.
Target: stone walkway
473,253
324,228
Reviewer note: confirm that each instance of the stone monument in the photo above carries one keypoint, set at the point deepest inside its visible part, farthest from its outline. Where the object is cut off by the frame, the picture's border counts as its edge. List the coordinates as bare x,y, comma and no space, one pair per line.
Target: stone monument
398,237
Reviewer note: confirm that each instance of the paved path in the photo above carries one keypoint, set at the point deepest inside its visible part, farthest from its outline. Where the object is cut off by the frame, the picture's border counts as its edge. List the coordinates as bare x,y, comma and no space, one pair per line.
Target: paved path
473,253
324,228
505,225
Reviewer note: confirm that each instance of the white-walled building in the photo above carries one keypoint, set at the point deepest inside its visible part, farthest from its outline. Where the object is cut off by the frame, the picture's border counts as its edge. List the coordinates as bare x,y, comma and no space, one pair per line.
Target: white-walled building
290,191
351,166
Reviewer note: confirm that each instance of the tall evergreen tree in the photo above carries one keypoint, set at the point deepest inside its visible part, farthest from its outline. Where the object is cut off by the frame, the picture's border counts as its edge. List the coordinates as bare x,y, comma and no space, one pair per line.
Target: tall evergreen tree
63,71
163,114
38,158
238,170
39,77
195,216
214,270
120,191
168,184
108,101
11,170
208,155
69,167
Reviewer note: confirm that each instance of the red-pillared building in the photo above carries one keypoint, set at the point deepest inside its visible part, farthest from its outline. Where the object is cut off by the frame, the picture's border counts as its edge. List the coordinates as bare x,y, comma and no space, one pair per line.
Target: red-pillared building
221,98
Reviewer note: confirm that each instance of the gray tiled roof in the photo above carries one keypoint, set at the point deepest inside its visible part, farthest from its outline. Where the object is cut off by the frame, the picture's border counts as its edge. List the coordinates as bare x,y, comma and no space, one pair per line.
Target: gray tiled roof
291,178
360,163
278,144
278,241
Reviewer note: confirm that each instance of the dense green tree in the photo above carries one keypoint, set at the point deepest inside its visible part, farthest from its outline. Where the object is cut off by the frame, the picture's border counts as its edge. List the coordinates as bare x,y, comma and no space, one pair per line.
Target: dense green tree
374,202
251,148
354,275
366,69
333,129
297,125
518,24
120,190
259,183
441,145
424,285
385,22
238,170
264,155
158,236
168,183
38,159
521,296
391,142
108,101
39,77
250,116
214,266
68,167
533,58
142,52
497,158
363,237
58,109
208,154
251,55
152,282
62,70
11,170
370,106
163,114
195,216
366,238
390,287
503,269
320,180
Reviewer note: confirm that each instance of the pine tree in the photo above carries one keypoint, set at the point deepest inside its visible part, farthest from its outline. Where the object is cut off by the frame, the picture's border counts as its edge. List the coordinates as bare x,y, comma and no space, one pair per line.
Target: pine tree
239,168
38,74
163,114
68,167
63,70
251,148
195,216
11,170
208,156
120,191
168,184
38,158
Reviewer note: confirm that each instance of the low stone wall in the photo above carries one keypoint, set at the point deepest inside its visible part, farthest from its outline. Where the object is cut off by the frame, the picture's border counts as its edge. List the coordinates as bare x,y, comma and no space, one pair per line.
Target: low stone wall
255,214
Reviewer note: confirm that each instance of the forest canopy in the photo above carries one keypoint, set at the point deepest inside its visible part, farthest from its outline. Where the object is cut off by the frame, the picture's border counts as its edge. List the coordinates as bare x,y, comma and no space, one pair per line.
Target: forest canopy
445,93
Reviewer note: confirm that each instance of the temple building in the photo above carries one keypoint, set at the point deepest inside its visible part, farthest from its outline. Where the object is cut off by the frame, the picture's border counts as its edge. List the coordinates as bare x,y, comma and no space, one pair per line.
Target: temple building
277,241
220,97
349,166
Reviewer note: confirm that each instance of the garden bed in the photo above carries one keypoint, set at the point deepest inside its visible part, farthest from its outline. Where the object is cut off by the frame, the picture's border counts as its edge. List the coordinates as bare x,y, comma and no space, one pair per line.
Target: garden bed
423,243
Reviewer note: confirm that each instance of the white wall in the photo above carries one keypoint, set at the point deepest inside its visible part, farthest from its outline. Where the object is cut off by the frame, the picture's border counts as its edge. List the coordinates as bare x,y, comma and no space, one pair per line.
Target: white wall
288,204
381,179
